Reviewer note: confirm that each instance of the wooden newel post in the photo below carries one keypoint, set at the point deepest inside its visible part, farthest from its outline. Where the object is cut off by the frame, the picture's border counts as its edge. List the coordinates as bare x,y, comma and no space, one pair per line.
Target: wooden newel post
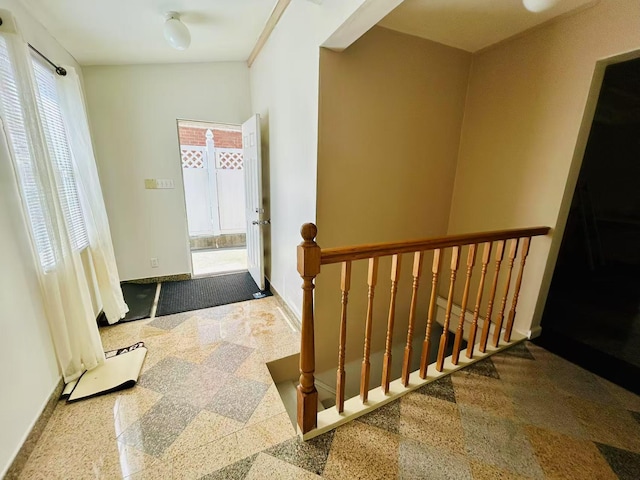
308,267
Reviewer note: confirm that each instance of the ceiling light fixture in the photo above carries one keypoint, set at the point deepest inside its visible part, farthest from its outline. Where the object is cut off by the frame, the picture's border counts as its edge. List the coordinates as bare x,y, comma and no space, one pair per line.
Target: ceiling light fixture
538,5
175,32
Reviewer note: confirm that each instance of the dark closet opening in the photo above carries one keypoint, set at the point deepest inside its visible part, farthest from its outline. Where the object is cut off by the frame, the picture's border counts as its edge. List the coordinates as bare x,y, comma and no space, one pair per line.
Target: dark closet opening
592,315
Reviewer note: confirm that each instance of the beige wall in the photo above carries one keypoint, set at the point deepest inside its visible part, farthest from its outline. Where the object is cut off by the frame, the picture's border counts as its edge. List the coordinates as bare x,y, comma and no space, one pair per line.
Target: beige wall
390,115
284,91
133,111
527,116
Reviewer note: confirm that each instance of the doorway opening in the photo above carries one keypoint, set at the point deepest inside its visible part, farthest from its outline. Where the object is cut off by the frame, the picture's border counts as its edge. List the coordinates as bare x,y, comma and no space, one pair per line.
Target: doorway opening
212,163
592,315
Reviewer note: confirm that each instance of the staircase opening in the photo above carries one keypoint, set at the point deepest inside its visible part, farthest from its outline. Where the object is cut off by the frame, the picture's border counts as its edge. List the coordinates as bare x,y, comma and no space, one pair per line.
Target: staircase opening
465,335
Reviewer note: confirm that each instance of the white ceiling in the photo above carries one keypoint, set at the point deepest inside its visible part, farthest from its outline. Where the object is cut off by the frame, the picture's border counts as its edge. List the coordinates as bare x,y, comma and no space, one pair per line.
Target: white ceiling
470,25
99,32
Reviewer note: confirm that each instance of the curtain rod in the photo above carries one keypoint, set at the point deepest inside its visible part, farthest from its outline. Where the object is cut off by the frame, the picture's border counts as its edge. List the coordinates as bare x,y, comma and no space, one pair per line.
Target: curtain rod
59,70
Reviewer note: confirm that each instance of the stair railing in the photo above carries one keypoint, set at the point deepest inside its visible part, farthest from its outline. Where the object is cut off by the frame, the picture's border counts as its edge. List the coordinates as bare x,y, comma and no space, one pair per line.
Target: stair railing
311,258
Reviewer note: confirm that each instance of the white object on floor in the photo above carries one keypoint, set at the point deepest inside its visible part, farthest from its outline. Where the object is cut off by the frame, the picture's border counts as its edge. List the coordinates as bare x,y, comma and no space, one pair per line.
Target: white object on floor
118,372
207,262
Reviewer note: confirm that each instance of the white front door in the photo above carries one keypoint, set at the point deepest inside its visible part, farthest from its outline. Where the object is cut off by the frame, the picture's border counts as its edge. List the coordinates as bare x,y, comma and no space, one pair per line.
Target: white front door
253,196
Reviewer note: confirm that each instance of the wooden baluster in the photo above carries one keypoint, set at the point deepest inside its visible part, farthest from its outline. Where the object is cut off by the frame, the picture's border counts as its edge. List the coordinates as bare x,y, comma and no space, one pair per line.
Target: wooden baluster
492,297
345,285
386,362
426,344
455,263
408,349
486,255
309,257
366,366
513,249
471,261
512,313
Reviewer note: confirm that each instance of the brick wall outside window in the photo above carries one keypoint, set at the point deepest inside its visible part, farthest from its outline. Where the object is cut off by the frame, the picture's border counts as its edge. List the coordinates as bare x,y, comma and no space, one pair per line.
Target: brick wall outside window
221,138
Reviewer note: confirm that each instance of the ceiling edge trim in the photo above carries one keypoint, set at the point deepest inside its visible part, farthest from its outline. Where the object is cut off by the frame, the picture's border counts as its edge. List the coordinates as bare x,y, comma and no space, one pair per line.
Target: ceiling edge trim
272,21
360,22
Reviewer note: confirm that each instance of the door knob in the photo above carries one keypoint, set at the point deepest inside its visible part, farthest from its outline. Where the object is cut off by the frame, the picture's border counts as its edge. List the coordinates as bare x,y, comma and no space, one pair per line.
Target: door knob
261,222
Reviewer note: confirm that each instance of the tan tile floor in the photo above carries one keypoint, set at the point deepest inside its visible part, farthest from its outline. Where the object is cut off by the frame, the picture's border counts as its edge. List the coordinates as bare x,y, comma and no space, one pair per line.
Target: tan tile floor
206,407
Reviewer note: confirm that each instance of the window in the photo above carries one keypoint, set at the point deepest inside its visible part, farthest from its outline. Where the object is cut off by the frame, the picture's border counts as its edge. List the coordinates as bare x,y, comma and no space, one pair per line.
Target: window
33,192
17,139
60,153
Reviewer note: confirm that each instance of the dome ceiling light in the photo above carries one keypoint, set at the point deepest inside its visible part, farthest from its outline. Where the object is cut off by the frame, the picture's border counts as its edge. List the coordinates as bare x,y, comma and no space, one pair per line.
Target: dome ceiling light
176,33
538,5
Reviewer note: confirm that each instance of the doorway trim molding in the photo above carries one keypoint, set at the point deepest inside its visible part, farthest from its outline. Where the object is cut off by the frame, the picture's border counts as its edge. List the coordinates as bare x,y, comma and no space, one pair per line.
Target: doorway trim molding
572,180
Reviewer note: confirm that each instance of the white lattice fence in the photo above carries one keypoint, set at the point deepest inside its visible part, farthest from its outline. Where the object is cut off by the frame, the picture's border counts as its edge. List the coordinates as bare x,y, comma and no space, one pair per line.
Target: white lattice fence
214,188
229,159
193,156
230,182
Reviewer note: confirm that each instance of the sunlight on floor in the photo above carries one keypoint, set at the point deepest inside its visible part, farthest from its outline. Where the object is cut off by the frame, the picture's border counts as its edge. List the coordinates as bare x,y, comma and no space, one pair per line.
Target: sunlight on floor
206,262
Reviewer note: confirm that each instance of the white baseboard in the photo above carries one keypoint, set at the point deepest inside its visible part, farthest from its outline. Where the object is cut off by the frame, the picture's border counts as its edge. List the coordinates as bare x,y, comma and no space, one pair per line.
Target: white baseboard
320,385
534,332
441,304
289,314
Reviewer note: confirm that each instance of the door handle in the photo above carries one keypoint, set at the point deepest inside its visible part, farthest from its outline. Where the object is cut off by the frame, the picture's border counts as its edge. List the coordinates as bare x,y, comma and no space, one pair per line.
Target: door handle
261,222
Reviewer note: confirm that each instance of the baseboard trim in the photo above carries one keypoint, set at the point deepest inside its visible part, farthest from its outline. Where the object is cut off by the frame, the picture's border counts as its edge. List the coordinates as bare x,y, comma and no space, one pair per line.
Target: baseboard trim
289,314
327,388
179,277
456,310
534,332
441,303
29,444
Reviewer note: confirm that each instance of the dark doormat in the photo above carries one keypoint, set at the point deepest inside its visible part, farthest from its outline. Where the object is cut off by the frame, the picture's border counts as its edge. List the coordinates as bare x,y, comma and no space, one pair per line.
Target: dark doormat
139,298
199,293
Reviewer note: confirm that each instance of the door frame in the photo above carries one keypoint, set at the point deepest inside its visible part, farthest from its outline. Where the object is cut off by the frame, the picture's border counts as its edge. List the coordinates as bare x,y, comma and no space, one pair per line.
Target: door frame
184,198
572,181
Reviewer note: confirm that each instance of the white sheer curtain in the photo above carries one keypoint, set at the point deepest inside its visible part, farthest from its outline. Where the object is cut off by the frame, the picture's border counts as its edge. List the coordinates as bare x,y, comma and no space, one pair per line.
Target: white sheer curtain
65,282
100,244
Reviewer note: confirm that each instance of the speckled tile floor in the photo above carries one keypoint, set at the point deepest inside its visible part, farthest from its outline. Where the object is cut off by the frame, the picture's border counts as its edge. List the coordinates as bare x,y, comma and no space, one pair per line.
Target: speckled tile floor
206,407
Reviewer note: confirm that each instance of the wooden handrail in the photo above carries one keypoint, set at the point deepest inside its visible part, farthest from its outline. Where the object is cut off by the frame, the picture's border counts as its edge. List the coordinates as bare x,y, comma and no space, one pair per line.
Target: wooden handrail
359,252
311,257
